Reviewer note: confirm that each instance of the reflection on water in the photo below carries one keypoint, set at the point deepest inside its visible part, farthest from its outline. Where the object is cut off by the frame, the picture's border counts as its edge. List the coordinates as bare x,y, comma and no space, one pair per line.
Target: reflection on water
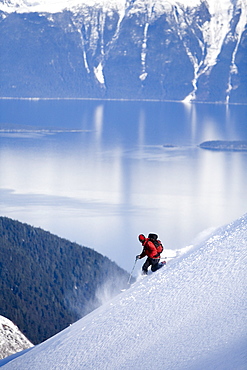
111,178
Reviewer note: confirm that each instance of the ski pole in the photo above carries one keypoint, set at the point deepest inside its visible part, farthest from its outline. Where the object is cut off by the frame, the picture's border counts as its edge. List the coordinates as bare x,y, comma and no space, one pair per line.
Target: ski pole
132,271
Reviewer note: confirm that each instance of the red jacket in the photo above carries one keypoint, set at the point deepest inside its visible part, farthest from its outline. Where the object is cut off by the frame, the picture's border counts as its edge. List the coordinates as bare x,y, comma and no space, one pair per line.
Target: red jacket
149,249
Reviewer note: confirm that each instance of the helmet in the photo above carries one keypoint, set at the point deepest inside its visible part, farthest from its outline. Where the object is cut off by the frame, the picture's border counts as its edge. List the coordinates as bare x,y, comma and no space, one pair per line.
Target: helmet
141,238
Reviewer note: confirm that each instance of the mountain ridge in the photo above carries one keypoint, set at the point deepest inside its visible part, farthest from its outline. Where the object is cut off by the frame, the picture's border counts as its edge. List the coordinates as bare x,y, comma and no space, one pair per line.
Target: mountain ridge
118,50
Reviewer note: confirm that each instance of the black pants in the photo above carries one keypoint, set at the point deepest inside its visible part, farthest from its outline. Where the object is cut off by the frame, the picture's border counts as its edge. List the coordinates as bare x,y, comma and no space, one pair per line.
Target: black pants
153,262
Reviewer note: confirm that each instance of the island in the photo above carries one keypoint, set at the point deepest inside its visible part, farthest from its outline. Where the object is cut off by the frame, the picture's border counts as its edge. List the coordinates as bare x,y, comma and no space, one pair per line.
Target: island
222,145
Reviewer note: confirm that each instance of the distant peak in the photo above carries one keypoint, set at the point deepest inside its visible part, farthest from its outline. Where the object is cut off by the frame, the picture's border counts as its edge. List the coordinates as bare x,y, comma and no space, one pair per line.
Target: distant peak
55,6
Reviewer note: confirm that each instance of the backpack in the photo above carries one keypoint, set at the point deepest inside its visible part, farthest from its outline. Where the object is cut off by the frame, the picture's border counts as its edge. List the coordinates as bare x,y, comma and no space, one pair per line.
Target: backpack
158,245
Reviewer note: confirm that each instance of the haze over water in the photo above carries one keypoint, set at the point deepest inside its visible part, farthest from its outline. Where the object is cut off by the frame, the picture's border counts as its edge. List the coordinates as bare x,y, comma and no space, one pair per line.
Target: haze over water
98,173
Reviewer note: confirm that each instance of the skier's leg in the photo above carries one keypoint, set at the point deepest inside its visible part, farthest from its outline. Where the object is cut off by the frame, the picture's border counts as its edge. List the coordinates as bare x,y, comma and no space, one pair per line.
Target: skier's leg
155,264
146,266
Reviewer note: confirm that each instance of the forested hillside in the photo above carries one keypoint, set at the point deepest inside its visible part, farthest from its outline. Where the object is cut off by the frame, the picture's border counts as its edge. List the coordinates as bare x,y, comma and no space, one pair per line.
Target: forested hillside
46,282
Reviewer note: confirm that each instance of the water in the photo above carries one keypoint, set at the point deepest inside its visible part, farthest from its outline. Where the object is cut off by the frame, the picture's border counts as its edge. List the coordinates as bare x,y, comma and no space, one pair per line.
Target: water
98,173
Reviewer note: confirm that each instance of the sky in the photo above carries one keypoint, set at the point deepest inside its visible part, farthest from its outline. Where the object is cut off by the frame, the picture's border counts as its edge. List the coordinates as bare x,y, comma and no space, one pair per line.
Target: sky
189,315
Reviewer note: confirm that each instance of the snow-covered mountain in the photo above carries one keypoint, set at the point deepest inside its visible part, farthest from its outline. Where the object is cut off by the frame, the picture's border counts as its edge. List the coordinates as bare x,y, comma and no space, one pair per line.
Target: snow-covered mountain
189,315
11,338
143,49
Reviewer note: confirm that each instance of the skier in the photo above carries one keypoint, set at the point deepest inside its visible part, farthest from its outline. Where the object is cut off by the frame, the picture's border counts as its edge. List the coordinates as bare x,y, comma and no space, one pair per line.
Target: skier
152,248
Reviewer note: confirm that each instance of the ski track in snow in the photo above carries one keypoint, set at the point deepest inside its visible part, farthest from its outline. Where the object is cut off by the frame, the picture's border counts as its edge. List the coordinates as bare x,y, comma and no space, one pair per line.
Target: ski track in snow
189,315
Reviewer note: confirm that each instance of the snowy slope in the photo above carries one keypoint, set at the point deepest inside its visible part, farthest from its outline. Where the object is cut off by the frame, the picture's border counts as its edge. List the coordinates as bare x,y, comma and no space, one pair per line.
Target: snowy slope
191,314
11,339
